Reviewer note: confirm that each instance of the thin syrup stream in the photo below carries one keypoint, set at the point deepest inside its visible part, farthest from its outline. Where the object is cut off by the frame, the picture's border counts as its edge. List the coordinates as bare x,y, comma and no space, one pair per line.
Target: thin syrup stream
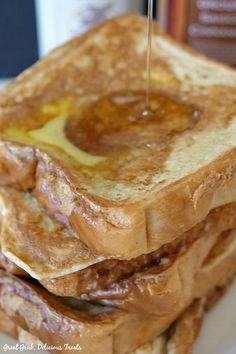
149,52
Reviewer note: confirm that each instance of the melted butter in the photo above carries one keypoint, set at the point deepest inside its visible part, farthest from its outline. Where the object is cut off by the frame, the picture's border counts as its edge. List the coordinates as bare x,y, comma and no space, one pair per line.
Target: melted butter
53,134
52,119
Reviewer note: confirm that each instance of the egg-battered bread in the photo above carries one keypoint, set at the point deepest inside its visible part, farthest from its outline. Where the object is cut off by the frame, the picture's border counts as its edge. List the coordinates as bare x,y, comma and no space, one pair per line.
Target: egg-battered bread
126,183
118,221
155,283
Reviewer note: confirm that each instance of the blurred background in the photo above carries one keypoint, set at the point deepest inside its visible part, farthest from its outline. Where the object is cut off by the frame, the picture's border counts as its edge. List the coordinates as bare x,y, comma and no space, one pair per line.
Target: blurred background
29,29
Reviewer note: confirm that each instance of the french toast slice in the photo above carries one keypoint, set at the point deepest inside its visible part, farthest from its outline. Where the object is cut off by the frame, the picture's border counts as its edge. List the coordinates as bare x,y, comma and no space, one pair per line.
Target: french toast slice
57,321
71,131
119,282
158,346
188,325
39,326
36,242
158,283
168,290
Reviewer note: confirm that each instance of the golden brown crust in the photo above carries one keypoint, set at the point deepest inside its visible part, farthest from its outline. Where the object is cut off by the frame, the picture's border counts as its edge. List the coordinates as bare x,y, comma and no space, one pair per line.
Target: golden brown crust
36,242
151,284
137,222
44,316
178,339
171,288
19,299
114,279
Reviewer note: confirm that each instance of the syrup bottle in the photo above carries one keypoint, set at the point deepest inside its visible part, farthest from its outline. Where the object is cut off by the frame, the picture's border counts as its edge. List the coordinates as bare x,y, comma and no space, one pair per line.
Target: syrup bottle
206,25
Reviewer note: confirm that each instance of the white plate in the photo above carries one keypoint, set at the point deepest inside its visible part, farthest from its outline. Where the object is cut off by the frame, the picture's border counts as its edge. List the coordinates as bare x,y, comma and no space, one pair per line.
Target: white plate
218,334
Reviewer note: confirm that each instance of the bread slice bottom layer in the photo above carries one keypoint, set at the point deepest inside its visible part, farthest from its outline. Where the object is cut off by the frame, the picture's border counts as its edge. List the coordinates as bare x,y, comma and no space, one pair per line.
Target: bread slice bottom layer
178,339
59,320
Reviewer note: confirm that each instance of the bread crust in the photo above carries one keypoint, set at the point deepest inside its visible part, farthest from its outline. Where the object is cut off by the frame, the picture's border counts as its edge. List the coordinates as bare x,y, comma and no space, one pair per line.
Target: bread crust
113,328
172,288
154,285
115,281
26,230
179,339
55,323
44,311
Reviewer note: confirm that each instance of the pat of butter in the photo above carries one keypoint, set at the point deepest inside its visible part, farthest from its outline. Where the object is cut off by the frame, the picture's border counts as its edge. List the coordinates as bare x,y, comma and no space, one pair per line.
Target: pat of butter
53,134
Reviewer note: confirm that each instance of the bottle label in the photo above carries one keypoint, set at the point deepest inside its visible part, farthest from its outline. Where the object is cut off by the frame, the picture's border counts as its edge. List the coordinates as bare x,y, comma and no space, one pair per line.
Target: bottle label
207,25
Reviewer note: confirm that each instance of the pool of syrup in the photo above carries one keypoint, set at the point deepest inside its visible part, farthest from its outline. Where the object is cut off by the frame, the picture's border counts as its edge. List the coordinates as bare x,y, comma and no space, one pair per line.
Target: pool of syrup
121,120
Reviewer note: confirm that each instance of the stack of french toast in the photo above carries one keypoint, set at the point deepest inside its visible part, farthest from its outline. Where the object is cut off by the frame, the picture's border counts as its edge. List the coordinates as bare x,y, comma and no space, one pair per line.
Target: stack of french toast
118,221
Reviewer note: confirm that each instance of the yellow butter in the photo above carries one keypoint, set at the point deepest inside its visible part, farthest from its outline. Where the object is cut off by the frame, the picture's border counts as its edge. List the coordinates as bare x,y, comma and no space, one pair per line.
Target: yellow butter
52,133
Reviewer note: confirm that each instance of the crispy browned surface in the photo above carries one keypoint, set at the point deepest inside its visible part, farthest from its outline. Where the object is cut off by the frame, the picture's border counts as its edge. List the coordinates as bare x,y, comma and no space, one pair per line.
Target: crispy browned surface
169,289
178,339
160,346
50,320
149,284
26,229
103,278
56,321
122,207
36,242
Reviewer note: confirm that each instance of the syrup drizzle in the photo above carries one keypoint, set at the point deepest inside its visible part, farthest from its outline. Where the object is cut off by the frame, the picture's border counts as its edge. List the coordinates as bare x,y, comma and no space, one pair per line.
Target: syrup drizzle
149,54
146,112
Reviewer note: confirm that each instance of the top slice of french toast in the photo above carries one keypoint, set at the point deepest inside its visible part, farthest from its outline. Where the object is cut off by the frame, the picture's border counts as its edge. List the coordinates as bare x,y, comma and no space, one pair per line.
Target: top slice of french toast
75,129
